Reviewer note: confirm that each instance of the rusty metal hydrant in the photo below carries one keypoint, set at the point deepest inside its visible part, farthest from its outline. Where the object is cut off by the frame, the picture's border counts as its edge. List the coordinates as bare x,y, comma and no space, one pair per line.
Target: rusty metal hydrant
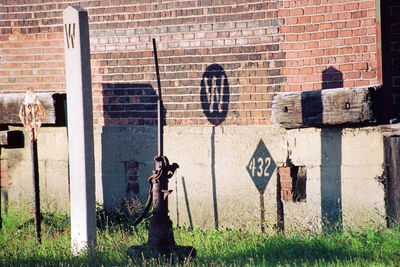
161,241
160,232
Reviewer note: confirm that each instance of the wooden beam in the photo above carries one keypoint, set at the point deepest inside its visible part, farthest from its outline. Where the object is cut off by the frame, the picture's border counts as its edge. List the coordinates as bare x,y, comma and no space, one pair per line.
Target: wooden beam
342,106
10,105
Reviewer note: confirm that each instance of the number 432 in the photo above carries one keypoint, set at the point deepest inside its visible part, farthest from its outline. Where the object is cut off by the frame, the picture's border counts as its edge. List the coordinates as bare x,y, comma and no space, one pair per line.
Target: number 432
259,166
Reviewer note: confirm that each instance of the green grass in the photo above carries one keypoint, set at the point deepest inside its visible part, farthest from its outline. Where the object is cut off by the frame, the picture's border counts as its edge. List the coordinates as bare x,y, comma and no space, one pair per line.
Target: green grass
366,247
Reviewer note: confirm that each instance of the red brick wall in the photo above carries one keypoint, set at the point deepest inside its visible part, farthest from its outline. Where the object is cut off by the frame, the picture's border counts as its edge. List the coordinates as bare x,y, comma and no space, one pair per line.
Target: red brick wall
329,44
263,47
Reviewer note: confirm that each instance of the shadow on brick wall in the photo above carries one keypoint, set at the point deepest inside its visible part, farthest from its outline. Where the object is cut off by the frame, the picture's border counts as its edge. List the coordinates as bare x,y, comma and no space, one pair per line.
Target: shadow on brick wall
331,151
214,97
129,104
128,141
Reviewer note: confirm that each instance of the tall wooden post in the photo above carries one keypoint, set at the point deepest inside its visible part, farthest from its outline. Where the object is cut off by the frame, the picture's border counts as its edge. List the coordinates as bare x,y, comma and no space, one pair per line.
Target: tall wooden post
392,160
80,129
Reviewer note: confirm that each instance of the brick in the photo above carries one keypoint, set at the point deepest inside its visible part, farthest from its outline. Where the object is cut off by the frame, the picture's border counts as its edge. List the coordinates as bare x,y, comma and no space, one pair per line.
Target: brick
284,171
367,5
317,18
338,8
311,45
351,6
368,22
325,26
286,185
331,34
360,32
286,195
297,12
345,33
317,36
291,20
359,14
297,29
353,24
352,75
304,19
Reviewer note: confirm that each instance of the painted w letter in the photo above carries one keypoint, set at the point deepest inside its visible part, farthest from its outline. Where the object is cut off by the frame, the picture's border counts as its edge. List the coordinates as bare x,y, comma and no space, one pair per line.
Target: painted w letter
70,35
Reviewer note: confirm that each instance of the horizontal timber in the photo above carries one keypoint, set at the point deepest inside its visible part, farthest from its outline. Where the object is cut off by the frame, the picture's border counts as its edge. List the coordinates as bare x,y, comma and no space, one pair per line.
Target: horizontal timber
10,105
341,106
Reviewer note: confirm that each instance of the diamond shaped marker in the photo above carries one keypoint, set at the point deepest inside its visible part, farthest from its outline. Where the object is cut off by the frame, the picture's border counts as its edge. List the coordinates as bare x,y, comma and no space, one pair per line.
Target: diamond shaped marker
32,114
261,167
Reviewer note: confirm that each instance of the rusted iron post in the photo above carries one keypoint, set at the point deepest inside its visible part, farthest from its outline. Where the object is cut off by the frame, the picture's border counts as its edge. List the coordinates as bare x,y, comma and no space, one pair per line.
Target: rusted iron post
160,231
161,240
32,115
160,118
35,174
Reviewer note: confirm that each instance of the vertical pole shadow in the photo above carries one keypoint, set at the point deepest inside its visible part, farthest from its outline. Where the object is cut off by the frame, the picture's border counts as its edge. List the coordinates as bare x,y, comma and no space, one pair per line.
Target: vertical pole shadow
331,162
262,213
331,151
214,186
187,204
331,182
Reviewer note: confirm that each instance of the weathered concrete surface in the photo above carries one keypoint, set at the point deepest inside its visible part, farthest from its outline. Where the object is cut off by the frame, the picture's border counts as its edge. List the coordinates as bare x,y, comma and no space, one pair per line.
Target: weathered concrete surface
214,160
236,203
53,170
114,146
350,160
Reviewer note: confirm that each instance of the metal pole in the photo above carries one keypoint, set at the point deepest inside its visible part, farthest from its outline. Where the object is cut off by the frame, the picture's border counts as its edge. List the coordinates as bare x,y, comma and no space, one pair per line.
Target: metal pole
262,209
35,173
159,103
1,219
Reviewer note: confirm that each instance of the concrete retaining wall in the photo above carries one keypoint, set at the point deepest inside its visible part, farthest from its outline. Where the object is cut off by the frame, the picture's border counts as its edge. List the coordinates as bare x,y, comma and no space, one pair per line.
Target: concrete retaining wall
212,187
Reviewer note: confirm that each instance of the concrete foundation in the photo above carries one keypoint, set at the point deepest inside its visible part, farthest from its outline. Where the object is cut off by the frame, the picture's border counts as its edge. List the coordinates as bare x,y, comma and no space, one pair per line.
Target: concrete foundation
212,188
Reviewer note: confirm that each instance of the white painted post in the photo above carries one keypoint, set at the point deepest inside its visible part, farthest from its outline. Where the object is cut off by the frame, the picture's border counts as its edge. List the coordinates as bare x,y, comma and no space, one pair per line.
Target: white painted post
80,129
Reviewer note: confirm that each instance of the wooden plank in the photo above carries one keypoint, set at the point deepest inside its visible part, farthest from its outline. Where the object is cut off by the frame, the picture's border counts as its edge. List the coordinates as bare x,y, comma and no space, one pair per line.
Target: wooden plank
392,173
360,105
10,105
390,129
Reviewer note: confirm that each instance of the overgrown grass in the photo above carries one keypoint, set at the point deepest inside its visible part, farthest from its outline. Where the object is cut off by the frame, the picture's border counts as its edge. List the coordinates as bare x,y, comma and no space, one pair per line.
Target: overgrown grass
366,247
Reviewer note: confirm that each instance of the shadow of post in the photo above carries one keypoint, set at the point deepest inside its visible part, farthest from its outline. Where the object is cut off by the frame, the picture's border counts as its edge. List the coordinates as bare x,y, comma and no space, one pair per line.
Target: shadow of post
187,204
331,151
214,97
128,141
331,162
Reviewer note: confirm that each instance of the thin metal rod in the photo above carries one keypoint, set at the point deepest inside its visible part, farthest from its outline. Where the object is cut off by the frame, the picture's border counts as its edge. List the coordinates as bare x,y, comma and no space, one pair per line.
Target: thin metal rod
1,219
159,103
262,215
35,173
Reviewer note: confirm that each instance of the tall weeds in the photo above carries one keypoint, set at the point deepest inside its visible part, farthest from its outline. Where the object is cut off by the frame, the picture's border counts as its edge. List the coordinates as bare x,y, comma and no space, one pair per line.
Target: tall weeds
228,247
